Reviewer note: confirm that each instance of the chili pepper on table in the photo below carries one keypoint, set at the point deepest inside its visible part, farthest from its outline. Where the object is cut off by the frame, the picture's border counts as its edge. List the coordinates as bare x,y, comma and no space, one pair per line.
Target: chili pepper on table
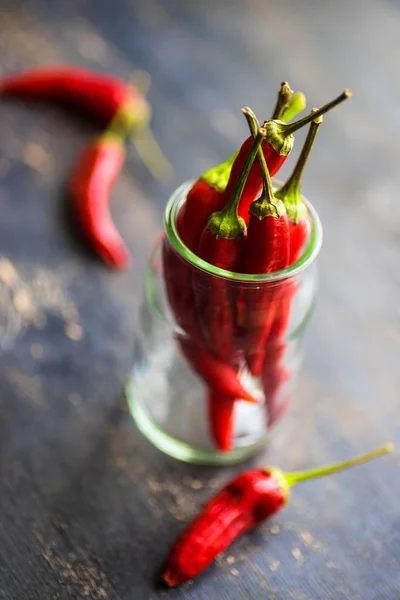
246,501
90,185
217,374
222,245
98,96
267,250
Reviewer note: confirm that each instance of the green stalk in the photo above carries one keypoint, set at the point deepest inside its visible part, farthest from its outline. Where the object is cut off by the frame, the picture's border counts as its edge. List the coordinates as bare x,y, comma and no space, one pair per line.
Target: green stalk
289,193
287,480
267,204
294,478
282,101
226,223
280,135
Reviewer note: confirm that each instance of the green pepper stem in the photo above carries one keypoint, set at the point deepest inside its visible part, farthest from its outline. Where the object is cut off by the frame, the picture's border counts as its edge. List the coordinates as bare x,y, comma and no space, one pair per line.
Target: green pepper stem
267,199
120,126
282,101
292,185
232,206
296,105
289,128
294,478
226,223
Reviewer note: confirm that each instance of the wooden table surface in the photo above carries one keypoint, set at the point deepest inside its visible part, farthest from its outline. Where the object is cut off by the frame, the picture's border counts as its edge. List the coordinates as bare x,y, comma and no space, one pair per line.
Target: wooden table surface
88,508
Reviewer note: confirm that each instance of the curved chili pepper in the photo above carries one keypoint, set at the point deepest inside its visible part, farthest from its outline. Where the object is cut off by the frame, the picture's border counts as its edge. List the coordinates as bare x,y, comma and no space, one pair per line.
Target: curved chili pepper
246,501
96,95
219,376
267,250
90,185
222,245
276,147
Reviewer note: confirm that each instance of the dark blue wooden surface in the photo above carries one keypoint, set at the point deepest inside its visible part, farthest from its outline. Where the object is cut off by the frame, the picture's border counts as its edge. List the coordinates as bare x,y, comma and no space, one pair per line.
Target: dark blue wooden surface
88,509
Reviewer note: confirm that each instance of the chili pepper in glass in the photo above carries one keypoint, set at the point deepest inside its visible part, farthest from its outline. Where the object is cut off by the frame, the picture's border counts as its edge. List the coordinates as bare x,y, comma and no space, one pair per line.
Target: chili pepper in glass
219,375
167,396
97,96
267,250
204,198
244,503
276,148
207,195
274,372
222,244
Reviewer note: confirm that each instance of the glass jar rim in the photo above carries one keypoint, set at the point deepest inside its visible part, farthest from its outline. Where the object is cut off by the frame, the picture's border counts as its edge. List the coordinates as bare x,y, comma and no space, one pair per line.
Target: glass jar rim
307,258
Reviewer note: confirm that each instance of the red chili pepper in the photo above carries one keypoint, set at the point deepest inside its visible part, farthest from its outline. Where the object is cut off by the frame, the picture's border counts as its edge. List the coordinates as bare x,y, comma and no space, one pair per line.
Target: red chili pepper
90,186
98,96
221,419
204,198
274,372
218,375
274,376
222,245
276,148
246,501
207,195
290,195
267,250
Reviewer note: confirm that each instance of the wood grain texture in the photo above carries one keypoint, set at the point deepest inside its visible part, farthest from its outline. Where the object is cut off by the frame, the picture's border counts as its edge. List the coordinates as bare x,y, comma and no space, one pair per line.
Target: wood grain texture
88,509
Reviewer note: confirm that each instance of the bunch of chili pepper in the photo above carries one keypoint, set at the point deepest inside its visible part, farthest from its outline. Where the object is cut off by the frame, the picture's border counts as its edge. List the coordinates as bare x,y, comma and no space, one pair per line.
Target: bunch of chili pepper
225,223
245,502
108,102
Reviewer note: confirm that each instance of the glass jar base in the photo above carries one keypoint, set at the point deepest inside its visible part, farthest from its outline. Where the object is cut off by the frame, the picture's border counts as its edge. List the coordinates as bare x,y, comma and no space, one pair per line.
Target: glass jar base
180,450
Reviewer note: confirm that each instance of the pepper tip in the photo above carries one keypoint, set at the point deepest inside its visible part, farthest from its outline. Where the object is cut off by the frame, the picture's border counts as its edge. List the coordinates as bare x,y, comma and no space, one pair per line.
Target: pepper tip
169,577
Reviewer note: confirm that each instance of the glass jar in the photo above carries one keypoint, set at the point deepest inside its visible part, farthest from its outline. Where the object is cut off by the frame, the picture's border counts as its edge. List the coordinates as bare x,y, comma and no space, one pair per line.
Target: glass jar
207,338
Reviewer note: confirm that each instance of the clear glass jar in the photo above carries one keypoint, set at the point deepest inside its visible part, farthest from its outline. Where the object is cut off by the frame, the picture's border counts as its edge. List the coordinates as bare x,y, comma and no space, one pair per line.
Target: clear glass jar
181,390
